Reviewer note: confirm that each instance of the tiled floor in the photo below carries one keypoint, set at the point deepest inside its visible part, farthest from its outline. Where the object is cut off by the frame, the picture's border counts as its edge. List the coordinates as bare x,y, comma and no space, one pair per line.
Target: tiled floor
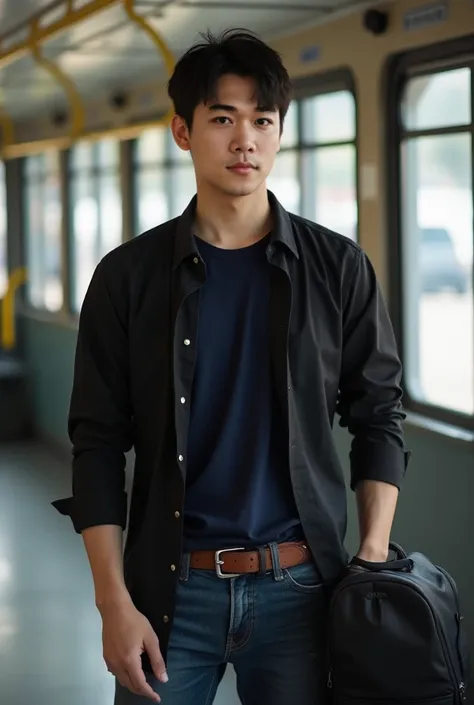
50,631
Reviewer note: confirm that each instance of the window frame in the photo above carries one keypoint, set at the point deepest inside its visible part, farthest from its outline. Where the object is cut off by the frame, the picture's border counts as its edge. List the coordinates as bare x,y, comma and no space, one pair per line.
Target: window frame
312,86
400,68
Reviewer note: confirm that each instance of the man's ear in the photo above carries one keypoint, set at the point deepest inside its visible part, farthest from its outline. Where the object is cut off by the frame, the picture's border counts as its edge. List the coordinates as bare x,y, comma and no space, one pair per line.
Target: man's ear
180,133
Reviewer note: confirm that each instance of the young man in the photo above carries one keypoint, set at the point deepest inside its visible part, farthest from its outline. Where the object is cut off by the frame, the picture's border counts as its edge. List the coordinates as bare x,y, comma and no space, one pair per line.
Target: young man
220,345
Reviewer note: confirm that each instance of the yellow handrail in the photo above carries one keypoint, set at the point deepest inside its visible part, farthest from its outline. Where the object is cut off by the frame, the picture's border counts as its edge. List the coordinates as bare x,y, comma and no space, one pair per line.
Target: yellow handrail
40,34
78,113
8,334
52,30
159,43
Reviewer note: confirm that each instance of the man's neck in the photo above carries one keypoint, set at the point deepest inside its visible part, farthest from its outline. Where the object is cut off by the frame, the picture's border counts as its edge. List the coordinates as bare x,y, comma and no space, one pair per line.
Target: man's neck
233,222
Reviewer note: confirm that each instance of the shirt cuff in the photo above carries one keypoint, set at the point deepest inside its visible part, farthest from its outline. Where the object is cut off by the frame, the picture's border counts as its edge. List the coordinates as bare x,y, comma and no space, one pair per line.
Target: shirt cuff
379,461
91,511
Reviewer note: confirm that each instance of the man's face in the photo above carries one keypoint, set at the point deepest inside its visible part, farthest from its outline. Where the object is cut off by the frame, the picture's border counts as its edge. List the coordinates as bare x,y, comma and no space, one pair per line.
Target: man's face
233,142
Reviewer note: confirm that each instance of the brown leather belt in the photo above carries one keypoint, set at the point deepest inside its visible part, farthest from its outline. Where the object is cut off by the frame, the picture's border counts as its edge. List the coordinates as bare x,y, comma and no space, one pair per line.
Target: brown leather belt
231,562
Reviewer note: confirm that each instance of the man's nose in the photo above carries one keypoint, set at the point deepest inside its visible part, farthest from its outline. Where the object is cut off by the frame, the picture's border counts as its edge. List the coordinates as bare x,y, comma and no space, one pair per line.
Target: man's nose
243,140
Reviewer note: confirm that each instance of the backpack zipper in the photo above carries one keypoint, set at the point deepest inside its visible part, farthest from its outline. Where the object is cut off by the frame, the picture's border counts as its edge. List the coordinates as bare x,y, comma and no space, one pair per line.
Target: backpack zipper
462,685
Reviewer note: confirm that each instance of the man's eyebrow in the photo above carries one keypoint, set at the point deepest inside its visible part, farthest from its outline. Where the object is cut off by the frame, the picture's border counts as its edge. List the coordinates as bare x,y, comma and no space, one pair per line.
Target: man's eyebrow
232,109
223,107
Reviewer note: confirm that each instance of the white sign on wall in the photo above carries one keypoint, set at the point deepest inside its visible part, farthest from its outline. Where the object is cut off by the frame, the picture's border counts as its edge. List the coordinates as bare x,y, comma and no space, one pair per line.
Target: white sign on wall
425,16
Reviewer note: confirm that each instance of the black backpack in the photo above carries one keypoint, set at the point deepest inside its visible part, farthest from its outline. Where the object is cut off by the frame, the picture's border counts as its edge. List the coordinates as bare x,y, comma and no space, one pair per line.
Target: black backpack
396,635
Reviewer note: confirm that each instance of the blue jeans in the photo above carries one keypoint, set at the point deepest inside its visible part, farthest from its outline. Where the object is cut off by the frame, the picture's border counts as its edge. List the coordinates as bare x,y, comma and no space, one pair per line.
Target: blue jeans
271,627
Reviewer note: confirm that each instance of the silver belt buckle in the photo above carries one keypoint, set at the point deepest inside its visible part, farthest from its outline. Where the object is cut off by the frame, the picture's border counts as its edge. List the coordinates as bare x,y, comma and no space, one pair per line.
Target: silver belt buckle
219,562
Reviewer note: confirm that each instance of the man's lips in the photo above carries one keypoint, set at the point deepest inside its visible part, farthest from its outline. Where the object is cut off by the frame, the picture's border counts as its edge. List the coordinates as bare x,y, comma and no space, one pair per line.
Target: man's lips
243,167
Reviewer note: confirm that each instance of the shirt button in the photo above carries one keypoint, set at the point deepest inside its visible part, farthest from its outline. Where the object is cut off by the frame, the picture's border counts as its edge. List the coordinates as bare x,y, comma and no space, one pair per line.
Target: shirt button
180,458
172,566
177,515
183,400
187,341
196,260
166,619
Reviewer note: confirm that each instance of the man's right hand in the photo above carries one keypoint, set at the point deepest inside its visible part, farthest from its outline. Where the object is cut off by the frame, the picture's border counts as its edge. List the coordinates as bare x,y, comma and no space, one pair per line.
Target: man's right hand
126,634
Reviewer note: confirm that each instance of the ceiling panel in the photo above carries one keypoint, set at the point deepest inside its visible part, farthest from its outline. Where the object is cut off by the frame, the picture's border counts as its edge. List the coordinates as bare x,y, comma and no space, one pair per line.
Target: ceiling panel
108,52
14,12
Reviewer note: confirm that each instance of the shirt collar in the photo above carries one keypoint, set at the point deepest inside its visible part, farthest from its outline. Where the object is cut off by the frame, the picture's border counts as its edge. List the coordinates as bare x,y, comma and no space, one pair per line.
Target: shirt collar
185,244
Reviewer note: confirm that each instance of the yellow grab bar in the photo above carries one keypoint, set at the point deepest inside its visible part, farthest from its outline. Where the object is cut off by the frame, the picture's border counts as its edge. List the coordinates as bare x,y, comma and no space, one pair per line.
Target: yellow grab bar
51,30
8,336
78,113
161,46
38,35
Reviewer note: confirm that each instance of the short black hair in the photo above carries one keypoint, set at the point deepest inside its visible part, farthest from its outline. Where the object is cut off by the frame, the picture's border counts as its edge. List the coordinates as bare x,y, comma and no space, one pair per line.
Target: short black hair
235,51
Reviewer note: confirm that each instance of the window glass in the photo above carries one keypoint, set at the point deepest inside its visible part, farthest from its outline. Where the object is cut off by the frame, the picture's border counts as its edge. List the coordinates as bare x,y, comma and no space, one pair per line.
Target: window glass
437,100
3,232
289,137
85,228
151,201
82,156
437,232
96,210
330,173
284,182
34,242
184,188
150,147
328,117
52,253
110,211
43,217
164,180
33,165
108,153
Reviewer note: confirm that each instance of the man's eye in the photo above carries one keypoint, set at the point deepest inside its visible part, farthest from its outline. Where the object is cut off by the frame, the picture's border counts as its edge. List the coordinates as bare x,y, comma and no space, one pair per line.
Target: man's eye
221,120
264,122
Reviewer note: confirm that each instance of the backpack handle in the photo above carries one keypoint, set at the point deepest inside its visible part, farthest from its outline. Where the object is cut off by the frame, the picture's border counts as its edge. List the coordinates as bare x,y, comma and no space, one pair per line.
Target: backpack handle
396,548
401,563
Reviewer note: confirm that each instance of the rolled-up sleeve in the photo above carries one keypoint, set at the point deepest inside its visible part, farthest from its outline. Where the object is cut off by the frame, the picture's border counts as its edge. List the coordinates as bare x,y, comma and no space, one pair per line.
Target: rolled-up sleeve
370,393
100,421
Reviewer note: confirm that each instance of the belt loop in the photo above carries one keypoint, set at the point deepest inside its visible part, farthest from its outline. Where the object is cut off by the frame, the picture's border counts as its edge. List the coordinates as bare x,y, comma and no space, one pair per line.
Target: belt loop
262,560
277,571
185,565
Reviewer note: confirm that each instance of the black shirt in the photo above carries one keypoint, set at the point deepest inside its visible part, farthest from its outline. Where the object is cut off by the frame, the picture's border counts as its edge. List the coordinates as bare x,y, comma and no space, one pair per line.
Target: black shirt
332,352
238,489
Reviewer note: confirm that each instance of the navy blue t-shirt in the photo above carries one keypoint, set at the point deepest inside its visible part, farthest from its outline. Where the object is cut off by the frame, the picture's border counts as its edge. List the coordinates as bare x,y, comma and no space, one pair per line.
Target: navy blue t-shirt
238,489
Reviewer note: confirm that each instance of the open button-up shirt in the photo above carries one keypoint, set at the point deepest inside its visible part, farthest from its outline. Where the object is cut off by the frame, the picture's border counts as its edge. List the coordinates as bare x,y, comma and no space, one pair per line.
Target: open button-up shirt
332,350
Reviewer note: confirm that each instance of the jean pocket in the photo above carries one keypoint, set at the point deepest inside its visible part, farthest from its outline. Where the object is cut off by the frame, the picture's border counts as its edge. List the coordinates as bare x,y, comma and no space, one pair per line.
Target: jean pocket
303,578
